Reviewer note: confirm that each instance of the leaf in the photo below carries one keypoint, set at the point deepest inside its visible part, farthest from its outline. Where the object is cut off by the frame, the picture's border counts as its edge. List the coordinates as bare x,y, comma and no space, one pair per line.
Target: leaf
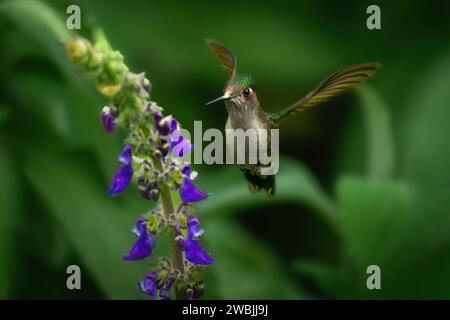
370,209
37,19
8,220
328,278
41,23
99,231
380,141
245,268
425,131
294,183
70,112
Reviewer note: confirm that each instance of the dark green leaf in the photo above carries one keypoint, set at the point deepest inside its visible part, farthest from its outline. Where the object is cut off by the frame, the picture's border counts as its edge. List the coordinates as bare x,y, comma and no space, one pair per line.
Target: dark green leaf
294,183
245,268
98,230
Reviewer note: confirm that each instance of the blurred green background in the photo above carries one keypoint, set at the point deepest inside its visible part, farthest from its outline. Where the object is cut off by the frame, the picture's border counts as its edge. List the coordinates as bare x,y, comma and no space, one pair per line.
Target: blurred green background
363,180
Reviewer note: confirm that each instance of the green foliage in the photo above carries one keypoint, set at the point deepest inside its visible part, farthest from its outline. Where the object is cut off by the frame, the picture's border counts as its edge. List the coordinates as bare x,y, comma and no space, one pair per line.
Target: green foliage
93,225
392,210
425,129
9,191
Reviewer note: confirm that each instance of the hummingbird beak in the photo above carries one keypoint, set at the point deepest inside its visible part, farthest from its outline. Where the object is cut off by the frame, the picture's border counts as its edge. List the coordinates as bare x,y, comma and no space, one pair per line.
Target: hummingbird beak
226,96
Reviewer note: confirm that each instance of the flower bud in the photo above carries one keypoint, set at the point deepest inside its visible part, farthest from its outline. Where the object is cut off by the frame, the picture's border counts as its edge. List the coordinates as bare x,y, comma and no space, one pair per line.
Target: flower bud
143,86
149,191
78,51
189,293
94,63
109,119
199,290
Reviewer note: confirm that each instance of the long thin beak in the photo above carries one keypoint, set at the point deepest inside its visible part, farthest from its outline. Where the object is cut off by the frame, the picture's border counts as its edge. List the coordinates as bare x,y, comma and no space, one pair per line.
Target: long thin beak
224,97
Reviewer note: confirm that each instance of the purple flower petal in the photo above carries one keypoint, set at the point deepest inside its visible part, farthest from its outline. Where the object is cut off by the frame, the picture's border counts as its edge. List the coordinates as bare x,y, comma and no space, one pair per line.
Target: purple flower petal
149,285
124,175
196,254
189,193
165,292
194,230
180,147
140,226
145,244
122,179
186,170
164,125
126,156
174,125
157,115
109,120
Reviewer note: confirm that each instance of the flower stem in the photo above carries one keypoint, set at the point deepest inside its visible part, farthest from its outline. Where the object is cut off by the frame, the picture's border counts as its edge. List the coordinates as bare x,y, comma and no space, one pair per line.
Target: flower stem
168,207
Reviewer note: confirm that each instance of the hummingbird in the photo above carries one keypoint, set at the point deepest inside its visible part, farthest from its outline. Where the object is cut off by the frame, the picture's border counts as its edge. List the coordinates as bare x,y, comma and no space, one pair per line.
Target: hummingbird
245,112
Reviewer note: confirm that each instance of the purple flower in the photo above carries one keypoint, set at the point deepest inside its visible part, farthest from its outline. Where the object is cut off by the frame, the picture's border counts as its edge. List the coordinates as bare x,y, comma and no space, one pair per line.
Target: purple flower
165,125
194,251
164,293
145,244
109,119
180,146
196,254
126,156
149,285
189,193
122,178
194,230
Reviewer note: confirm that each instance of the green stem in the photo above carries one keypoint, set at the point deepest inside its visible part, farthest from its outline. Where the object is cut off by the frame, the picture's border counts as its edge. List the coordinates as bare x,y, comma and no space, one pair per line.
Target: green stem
168,207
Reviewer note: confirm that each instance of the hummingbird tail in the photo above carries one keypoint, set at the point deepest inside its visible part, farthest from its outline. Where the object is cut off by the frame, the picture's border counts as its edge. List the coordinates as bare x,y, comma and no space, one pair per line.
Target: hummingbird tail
260,183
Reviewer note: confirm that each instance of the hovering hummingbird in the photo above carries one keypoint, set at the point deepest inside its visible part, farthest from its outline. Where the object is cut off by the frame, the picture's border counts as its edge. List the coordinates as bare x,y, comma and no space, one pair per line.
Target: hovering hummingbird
245,112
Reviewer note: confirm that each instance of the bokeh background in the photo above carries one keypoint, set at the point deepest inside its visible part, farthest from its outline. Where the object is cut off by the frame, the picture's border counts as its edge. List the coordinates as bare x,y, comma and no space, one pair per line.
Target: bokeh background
363,180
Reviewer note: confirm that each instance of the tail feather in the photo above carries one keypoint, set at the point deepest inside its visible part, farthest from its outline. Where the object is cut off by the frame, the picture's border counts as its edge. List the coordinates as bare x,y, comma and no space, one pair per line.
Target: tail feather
260,183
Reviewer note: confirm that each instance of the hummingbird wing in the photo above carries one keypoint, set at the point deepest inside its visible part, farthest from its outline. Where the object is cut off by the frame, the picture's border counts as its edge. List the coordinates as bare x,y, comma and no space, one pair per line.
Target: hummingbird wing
225,56
335,84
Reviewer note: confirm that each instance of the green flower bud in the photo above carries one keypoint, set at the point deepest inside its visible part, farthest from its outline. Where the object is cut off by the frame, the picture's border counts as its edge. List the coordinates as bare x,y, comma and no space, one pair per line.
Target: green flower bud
94,64
78,51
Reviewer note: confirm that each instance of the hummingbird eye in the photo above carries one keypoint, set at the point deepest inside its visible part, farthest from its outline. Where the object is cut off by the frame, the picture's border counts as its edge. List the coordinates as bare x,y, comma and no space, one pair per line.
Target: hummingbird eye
246,92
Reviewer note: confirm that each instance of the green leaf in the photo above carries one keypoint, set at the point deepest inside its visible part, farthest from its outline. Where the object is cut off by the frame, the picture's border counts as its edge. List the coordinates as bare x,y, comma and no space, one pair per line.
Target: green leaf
370,209
98,230
295,183
8,220
425,131
380,141
42,24
327,278
245,268
39,20
69,111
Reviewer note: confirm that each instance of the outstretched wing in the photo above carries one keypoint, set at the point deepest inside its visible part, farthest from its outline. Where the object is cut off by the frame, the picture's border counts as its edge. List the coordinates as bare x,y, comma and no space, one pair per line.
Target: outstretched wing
332,86
225,56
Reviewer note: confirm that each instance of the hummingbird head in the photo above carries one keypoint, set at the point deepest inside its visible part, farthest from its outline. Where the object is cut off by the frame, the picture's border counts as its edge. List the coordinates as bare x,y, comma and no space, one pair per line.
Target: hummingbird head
239,91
